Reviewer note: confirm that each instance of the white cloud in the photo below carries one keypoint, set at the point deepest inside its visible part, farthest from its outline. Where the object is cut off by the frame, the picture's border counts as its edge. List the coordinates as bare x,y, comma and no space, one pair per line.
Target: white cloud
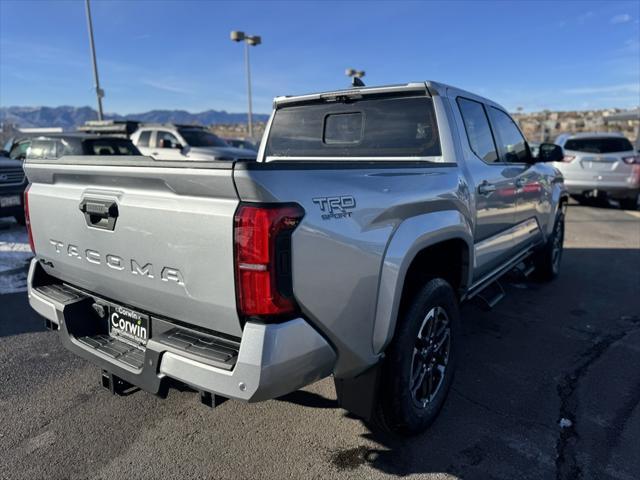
166,86
622,18
585,16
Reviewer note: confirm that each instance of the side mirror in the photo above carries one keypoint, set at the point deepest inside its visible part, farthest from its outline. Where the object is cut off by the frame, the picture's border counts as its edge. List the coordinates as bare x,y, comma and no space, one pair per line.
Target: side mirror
550,152
4,153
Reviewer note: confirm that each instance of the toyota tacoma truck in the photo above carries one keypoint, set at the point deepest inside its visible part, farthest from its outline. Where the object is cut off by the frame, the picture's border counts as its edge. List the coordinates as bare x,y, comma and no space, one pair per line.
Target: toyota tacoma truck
344,250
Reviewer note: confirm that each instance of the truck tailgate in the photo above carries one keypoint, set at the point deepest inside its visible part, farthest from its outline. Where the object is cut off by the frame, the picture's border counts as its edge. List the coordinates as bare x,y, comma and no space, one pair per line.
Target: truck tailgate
152,236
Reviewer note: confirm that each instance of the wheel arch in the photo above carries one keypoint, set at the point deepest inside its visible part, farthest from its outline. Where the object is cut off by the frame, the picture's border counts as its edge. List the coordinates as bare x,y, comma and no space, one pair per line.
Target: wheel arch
424,245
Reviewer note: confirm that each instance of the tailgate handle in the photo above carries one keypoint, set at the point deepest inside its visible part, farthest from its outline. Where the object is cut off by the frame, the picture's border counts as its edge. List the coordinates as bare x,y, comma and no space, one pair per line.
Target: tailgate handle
100,213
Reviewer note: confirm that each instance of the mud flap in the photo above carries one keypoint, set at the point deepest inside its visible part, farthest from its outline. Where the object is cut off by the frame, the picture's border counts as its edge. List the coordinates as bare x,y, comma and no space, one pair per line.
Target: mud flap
358,395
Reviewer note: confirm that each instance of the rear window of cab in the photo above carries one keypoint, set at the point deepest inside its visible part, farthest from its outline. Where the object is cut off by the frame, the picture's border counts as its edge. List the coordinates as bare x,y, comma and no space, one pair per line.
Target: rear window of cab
598,145
376,127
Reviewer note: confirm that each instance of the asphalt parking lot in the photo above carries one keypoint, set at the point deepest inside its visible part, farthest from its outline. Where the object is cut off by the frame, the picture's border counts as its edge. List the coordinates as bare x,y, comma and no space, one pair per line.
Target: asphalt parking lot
548,387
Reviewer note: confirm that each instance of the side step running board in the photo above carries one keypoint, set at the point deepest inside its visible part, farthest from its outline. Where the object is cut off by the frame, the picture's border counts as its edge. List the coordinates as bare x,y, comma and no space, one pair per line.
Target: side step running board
491,295
490,278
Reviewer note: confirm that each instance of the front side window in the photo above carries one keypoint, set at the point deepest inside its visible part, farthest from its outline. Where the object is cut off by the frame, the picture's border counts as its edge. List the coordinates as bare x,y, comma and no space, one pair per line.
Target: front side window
512,145
388,126
196,137
166,140
19,151
478,130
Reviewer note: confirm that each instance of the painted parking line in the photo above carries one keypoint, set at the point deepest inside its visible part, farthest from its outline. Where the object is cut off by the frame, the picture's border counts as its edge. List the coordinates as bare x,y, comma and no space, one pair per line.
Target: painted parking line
633,214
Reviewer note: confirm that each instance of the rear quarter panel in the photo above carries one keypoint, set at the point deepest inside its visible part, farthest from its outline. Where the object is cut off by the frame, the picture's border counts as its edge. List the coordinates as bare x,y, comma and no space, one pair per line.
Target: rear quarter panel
338,262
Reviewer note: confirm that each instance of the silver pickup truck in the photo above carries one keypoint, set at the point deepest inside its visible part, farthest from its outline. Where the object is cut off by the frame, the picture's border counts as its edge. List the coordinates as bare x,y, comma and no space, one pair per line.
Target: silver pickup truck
344,250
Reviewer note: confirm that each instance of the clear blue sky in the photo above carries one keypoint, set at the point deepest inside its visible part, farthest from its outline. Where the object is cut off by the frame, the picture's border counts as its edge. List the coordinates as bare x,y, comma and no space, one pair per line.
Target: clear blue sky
166,54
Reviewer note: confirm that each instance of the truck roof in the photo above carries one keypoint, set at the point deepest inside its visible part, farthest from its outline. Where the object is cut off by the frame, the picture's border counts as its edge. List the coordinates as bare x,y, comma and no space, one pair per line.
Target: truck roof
429,87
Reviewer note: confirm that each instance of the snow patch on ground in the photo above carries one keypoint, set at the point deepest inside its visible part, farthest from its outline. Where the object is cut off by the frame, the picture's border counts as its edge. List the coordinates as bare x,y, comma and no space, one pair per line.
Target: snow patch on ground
15,255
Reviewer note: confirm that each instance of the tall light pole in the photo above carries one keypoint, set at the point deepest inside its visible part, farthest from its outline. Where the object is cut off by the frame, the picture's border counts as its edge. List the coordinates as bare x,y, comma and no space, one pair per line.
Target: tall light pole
253,41
99,91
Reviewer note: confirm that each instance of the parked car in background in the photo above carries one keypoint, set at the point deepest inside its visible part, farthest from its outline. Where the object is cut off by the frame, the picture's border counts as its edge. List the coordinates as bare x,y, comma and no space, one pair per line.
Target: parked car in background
17,147
79,144
600,165
186,142
343,250
12,185
242,143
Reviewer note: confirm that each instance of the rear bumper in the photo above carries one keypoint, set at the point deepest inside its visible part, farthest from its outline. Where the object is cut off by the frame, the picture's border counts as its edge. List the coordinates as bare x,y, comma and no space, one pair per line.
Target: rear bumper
614,189
272,359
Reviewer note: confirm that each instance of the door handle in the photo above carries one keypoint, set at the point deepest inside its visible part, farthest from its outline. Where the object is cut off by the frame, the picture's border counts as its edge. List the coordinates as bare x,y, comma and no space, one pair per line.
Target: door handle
485,188
521,182
154,153
100,213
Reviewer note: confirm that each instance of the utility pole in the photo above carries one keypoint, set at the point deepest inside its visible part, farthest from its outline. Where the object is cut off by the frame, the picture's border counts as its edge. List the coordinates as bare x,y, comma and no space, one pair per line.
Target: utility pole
253,41
248,66
99,91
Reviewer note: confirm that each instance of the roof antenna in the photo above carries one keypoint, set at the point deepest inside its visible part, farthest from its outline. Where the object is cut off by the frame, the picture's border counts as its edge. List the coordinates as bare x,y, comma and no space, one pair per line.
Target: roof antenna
356,77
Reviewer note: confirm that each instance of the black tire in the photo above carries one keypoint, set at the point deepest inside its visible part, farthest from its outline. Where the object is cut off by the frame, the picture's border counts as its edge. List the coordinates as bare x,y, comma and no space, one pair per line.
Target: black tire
581,199
398,409
630,203
20,219
547,260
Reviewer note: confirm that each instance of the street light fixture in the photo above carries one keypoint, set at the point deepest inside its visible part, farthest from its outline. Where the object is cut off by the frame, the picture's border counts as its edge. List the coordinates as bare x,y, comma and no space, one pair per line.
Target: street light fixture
356,76
253,41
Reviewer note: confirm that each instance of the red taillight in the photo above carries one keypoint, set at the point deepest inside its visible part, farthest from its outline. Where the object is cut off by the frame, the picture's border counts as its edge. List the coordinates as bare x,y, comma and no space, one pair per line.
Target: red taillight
635,174
568,158
631,159
27,218
262,236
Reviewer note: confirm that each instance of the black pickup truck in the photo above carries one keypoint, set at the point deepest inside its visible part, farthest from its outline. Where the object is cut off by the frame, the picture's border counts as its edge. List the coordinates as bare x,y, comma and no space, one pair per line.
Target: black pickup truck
12,185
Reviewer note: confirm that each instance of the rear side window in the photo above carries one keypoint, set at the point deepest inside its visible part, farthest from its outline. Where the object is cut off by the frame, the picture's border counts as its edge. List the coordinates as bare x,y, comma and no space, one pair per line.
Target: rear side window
370,127
111,146
598,145
52,148
143,139
512,145
478,130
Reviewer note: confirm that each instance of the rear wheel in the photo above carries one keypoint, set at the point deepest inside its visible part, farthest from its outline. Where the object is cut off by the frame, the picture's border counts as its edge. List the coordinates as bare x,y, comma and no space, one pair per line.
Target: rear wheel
547,260
630,203
420,362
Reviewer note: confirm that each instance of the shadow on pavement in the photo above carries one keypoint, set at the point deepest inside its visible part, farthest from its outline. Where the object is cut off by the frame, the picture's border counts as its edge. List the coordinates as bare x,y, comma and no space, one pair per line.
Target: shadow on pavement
308,399
526,365
16,317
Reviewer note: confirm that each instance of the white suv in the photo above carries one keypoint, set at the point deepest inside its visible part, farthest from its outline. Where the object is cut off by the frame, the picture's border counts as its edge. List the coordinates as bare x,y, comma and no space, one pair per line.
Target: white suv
185,142
600,165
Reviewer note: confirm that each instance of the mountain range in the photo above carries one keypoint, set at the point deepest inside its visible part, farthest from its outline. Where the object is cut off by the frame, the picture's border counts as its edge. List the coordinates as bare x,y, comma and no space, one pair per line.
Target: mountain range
71,117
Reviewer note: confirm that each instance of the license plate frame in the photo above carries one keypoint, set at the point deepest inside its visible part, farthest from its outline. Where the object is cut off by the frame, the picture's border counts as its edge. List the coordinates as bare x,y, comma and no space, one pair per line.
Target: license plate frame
10,201
128,325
